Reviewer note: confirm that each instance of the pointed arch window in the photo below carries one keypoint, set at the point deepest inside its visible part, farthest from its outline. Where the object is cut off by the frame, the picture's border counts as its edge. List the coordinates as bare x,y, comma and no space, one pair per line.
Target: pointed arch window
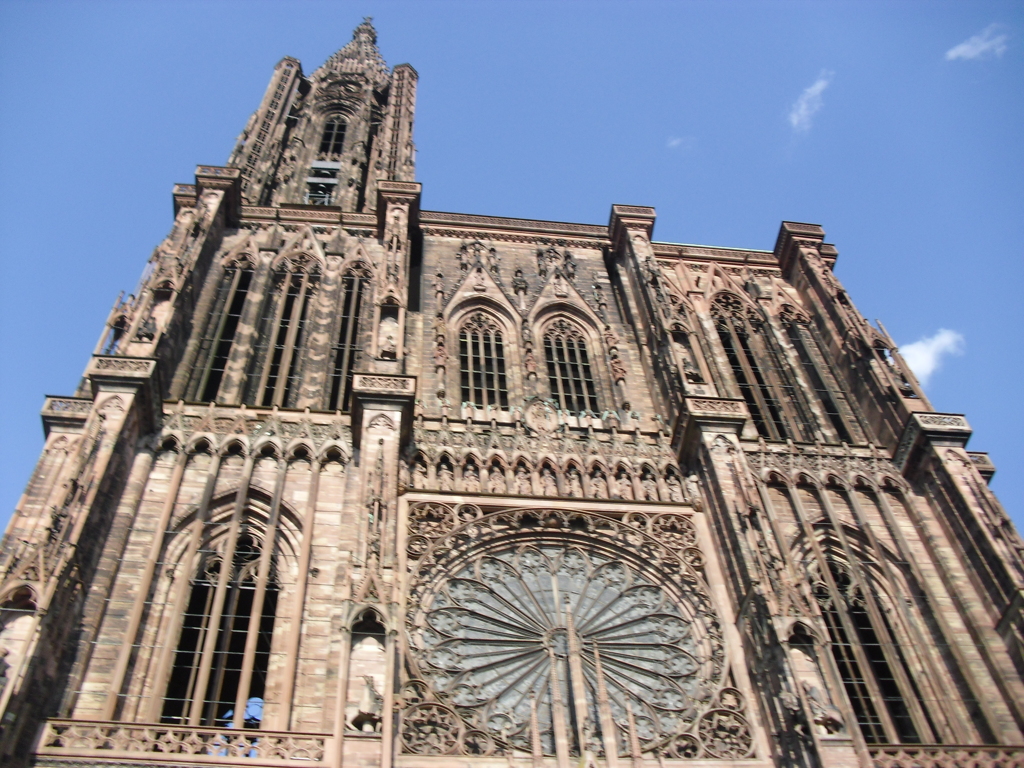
815,368
215,346
569,373
882,690
275,368
333,139
482,363
223,653
764,383
346,344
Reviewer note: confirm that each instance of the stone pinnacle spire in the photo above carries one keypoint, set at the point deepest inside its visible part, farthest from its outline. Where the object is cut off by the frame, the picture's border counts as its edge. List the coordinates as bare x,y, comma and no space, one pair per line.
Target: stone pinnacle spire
361,54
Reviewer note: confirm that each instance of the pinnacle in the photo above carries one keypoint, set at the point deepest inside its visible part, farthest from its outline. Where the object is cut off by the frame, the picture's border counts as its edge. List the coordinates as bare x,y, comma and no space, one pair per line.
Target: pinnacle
360,54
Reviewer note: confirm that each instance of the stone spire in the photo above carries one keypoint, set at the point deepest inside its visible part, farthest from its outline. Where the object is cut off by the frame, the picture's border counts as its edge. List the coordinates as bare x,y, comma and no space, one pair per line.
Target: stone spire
361,55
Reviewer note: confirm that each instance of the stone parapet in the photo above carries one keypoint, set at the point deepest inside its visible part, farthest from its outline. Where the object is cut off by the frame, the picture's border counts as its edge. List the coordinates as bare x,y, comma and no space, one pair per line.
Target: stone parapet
945,429
65,414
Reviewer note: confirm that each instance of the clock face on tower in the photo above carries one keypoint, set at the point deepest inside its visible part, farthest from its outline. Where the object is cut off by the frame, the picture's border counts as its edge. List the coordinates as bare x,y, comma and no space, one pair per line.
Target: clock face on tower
541,639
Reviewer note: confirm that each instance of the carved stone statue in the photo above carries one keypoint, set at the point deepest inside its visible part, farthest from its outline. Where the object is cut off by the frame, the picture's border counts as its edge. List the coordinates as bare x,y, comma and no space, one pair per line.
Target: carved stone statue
523,485
575,483
610,339
623,485
618,369
519,284
548,483
419,476
530,362
471,479
445,478
649,485
693,491
496,480
675,488
598,484
440,353
569,266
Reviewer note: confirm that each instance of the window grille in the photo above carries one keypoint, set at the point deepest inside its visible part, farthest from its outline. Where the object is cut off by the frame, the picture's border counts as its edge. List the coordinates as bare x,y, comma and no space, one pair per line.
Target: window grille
569,375
482,363
804,345
346,345
276,365
765,383
868,657
245,603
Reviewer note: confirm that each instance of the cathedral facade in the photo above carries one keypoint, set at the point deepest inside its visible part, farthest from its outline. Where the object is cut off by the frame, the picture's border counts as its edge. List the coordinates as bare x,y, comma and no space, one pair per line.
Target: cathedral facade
352,483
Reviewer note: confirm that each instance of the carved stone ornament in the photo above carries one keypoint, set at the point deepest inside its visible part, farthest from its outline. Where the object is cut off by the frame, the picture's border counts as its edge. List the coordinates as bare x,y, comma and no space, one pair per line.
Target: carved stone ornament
541,417
512,611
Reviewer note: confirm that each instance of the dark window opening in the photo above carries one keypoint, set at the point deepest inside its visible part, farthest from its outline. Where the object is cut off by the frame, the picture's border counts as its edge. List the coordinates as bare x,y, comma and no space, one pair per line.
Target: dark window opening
828,402
319,193
853,680
333,139
278,358
226,664
482,364
569,375
346,346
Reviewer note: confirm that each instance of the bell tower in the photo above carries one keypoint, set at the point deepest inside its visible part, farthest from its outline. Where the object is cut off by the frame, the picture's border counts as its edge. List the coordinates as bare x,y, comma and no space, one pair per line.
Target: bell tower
330,139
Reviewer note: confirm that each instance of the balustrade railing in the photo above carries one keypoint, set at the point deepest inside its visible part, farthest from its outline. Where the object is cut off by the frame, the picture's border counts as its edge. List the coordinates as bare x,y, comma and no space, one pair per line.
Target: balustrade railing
100,740
947,756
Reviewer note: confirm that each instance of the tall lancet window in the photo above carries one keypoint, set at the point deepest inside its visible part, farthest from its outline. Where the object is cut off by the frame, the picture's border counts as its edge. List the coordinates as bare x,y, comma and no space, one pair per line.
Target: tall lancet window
275,368
215,347
220,667
569,375
346,343
815,368
763,381
482,363
879,683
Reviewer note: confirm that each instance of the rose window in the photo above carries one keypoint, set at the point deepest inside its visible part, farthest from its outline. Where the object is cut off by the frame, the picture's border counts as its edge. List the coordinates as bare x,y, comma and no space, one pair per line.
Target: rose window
566,645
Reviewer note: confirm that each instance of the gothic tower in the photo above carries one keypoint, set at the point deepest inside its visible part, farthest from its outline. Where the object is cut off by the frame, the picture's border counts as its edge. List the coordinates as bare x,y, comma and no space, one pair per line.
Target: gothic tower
352,483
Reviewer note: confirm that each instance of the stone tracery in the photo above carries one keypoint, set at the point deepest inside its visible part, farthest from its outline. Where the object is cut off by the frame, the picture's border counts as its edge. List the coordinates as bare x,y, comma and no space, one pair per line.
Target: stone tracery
539,626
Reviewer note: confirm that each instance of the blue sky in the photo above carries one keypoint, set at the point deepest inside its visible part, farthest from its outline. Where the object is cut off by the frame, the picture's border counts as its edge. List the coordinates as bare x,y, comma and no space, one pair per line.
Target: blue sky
897,126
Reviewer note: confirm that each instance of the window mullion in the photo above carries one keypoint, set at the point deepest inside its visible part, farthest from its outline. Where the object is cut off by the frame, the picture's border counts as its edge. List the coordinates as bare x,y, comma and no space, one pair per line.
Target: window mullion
216,614
256,616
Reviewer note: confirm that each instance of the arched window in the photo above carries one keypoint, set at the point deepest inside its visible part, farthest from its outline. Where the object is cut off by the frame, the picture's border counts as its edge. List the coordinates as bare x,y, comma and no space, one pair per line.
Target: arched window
569,374
276,364
766,386
333,139
346,344
815,369
871,663
219,679
482,363
215,347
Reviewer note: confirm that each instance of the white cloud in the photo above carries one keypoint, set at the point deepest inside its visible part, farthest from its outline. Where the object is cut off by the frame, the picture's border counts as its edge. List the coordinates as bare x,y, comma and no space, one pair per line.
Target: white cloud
809,102
981,45
925,355
681,142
